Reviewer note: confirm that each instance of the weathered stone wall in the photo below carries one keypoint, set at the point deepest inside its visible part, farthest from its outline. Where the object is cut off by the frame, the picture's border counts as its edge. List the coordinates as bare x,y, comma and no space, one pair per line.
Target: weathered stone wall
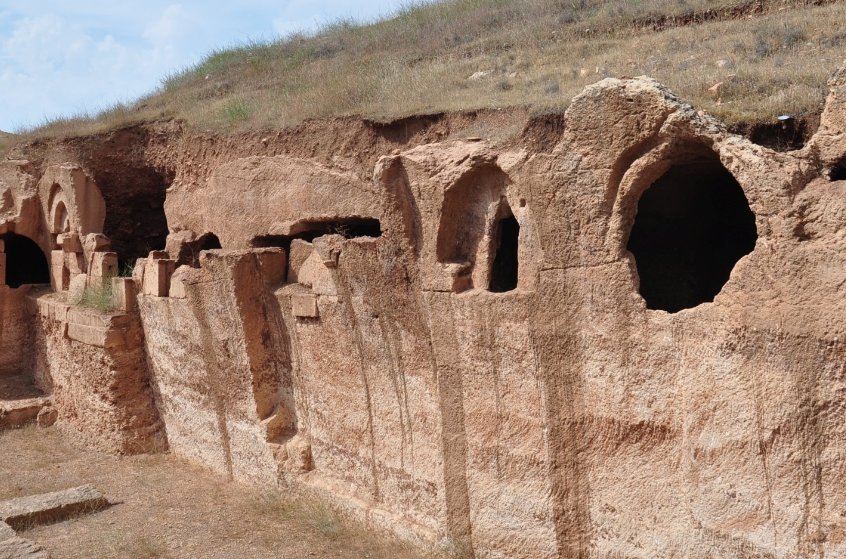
16,330
219,373
560,416
366,390
565,418
94,365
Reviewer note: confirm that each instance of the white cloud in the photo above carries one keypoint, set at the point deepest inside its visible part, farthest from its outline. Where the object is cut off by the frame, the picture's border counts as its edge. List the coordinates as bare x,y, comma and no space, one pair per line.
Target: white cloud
52,66
59,58
167,27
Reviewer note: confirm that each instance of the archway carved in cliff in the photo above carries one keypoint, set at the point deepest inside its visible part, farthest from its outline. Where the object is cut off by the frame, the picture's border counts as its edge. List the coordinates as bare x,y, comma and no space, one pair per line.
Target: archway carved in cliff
505,241
26,263
478,234
693,224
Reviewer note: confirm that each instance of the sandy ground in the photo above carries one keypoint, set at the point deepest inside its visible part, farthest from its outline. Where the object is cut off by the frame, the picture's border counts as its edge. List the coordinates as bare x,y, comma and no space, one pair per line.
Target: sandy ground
166,508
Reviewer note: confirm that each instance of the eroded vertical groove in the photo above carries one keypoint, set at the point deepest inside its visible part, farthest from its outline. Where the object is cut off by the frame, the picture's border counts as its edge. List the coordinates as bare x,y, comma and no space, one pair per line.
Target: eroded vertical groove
346,298
454,434
558,354
214,374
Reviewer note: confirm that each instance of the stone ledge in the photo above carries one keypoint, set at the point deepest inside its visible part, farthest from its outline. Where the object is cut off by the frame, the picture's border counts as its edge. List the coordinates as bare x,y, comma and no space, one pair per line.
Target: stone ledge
97,336
305,305
29,511
17,413
88,317
53,309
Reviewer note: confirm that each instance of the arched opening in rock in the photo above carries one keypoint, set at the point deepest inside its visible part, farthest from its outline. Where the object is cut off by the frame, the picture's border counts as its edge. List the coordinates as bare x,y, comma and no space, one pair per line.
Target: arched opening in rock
474,208
61,219
25,261
838,172
209,241
692,226
308,230
189,252
505,266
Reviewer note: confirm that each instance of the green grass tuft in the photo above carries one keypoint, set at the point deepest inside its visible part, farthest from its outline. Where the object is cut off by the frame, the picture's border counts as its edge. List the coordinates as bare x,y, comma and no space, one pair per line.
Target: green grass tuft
99,297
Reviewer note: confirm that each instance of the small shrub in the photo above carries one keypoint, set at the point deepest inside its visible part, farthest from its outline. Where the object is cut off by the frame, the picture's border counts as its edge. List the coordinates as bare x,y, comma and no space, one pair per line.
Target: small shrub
325,520
272,503
127,267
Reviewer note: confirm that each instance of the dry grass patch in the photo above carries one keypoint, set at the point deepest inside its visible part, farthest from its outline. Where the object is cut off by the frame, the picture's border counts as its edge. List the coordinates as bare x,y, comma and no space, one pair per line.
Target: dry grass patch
165,508
464,54
310,513
120,543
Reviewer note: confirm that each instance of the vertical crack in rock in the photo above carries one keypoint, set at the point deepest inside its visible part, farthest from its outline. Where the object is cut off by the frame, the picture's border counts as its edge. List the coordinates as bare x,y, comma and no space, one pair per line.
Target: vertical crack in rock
489,332
807,369
346,297
202,308
765,442
398,380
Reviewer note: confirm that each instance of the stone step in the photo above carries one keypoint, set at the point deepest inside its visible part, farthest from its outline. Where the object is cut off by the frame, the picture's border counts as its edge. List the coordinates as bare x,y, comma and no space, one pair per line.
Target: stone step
26,512
17,413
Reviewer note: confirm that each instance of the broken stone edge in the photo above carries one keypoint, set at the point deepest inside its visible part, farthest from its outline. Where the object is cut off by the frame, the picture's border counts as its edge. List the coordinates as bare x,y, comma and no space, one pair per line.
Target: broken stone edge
25,512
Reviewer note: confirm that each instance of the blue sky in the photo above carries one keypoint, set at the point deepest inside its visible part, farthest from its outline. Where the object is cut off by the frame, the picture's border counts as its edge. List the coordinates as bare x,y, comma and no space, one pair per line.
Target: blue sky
64,57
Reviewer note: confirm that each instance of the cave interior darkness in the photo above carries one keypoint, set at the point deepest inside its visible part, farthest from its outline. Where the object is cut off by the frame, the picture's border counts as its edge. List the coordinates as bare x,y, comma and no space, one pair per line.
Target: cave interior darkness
25,261
692,226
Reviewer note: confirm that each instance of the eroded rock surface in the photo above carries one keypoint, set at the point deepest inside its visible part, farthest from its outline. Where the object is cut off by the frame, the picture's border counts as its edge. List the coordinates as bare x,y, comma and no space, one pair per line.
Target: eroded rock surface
26,512
624,343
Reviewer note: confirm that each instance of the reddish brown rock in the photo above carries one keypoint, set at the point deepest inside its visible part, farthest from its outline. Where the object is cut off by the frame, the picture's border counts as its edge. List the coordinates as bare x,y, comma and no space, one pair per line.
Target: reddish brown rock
626,342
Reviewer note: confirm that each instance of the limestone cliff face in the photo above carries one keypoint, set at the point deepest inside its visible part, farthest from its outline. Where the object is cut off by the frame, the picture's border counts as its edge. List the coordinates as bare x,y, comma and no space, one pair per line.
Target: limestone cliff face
628,343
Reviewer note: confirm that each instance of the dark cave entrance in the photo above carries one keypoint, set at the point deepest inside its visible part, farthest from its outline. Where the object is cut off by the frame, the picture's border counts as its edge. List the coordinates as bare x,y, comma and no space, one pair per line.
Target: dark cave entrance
692,226
135,218
25,261
349,228
189,252
838,173
209,241
505,268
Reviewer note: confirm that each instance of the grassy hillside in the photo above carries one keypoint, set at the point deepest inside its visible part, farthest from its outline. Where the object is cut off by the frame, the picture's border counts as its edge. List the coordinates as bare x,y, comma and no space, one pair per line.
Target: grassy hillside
772,57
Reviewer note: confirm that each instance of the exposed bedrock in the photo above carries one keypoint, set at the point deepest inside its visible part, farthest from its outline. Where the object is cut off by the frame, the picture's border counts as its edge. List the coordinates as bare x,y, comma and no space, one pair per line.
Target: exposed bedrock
626,344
